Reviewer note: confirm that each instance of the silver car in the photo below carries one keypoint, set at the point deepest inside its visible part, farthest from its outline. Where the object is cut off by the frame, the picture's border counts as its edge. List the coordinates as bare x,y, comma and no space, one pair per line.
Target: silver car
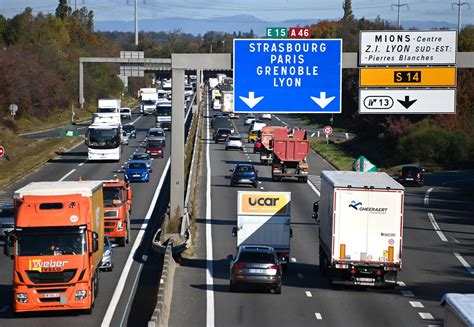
107,262
156,134
125,138
7,220
145,157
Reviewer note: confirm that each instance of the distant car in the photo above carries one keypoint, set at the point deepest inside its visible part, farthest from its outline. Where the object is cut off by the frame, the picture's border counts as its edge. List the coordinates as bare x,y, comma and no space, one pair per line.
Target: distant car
221,134
249,119
125,138
136,171
255,266
107,262
257,145
266,117
411,175
145,157
234,142
126,113
244,173
216,105
257,125
154,149
7,220
131,130
252,137
156,134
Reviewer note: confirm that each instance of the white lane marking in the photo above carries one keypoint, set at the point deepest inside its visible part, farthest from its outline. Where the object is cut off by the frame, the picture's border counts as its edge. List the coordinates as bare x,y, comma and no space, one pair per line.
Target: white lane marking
261,188
67,175
455,240
82,163
318,316
209,254
416,304
402,284
128,265
426,315
259,182
4,309
312,135
427,196
407,293
81,128
133,122
300,275
464,263
293,259
436,227
313,187
308,294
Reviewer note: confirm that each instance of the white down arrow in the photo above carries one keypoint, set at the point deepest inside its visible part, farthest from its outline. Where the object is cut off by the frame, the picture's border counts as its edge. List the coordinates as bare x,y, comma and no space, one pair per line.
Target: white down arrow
251,101
322,101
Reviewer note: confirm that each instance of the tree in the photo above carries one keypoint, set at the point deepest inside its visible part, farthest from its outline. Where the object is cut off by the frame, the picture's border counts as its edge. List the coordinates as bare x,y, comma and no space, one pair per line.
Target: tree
347,6
63,11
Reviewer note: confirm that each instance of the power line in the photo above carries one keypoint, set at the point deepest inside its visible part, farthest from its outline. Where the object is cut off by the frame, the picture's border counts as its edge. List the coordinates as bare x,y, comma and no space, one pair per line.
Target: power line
398,11
460,4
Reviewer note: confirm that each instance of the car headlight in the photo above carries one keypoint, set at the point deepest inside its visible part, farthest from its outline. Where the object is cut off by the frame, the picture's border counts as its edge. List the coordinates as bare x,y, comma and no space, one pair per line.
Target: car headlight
107,253
81,295
119,225
22,297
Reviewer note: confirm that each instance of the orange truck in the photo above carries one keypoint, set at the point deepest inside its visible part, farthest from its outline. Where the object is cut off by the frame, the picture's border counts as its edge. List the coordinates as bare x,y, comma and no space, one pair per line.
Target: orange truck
267,135
289,156
57,245
117,210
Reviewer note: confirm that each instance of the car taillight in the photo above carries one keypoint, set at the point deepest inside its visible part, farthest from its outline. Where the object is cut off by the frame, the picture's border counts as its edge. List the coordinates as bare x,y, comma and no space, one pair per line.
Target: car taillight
418,175
400,174
378,273
274,267
239,266
353,271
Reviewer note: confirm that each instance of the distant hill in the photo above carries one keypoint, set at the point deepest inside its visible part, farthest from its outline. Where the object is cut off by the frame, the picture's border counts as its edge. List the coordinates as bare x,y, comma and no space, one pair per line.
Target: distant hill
243,23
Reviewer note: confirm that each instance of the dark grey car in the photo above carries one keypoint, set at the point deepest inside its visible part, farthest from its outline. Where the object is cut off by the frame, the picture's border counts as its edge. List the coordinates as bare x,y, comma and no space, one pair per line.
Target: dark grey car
255,265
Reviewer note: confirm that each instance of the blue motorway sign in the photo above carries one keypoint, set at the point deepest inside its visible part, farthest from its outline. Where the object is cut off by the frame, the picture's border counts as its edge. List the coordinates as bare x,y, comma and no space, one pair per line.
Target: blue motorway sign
287,76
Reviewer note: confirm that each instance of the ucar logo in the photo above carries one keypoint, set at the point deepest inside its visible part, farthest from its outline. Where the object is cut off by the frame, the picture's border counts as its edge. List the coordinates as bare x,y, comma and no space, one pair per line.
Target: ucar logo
264,203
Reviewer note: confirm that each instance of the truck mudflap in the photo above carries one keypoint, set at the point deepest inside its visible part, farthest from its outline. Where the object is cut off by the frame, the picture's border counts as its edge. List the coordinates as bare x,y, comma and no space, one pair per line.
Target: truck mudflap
343,274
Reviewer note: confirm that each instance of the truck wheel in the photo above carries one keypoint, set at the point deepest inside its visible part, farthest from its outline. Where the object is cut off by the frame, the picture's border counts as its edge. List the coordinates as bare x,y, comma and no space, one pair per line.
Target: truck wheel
122,242
322,264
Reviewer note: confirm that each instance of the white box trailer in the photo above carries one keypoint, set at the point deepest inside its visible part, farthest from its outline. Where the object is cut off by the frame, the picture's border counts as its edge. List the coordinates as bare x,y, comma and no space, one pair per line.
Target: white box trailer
361,227
264,218
458,310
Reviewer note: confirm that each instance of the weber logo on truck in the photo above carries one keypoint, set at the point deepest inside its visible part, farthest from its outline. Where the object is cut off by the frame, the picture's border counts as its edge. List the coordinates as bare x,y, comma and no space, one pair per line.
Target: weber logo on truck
46,266
357,205
264,203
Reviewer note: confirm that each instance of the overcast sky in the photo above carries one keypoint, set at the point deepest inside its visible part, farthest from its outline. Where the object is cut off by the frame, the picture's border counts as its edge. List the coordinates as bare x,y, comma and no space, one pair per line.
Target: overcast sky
268,10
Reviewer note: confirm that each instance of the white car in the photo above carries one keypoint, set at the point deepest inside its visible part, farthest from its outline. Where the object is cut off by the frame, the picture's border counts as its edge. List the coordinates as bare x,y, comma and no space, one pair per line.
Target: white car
266,116
249,119
125,138
216,105
125,113
234,142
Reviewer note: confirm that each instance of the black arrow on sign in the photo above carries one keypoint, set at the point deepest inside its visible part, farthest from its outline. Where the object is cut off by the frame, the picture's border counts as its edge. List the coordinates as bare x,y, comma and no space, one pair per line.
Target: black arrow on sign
407,103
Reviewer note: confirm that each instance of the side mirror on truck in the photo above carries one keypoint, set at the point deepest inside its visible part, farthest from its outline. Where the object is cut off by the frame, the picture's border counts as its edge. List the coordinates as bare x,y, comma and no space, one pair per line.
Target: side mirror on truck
95,242
234,231
8,246
315,210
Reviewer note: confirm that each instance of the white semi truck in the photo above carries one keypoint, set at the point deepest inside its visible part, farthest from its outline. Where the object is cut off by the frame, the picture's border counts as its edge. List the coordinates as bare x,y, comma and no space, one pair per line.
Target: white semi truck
361,228
149,98
109,106
264,218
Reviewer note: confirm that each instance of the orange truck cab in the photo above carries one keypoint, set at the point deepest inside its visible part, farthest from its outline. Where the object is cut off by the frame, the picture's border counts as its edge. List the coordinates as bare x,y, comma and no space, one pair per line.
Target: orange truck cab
57,245
117,210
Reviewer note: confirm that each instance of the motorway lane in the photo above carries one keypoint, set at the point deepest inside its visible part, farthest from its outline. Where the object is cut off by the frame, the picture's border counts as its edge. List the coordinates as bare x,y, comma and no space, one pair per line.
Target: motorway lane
56,169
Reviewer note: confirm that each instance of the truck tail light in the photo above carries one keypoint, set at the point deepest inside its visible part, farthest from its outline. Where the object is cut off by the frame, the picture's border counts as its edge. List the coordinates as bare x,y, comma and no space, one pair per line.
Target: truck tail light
378,273
353,271
342,251
239,266
390,253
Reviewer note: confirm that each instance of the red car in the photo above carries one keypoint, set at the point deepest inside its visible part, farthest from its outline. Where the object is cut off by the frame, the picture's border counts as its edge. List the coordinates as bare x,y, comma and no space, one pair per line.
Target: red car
257,145
154,149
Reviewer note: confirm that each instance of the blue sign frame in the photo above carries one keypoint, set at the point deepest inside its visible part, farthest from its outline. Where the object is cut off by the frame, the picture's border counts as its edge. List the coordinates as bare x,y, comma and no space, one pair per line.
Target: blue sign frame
287,75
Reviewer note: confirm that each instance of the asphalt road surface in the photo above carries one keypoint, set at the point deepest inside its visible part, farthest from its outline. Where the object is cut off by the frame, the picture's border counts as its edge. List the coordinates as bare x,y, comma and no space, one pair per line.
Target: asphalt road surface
432,266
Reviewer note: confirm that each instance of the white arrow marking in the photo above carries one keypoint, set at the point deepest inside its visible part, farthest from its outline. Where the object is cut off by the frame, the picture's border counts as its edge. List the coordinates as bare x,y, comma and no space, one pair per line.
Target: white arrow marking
322,101
251,101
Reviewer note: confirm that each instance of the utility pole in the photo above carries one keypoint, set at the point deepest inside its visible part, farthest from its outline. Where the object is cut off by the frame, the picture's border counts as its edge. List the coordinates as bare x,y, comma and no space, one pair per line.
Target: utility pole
136,22
398,10
460,4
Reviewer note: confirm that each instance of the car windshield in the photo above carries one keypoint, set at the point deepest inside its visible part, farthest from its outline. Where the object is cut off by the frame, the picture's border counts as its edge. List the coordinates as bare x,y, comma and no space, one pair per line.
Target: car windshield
257,257
234,138
410,170
244,169
136,165
223,131
111,194
125,110
153,145
52,242
128,128
141,156
148,102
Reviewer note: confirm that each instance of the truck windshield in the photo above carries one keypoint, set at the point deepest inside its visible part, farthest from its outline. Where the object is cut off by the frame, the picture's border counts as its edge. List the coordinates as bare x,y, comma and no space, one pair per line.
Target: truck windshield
163,111
51,241
148,102
111,194
107,110
103,138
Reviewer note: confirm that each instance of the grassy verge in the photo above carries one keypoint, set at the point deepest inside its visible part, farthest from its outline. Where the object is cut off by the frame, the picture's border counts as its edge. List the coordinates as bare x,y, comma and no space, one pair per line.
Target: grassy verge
334,153
26,155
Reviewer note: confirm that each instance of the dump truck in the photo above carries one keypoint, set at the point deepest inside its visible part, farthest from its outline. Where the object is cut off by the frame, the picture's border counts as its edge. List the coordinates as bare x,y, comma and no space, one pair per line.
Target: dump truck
264,218
117,210
361,228
57,245
266,137
289,156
